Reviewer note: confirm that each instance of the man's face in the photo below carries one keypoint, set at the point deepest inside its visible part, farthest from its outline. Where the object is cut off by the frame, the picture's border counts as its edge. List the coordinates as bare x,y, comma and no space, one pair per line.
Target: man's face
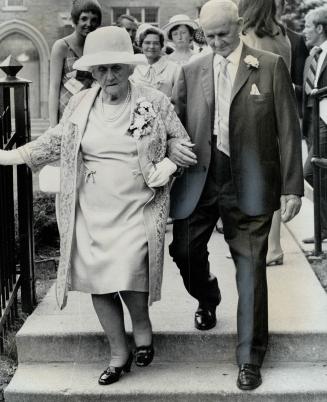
130,28
311,32
223,35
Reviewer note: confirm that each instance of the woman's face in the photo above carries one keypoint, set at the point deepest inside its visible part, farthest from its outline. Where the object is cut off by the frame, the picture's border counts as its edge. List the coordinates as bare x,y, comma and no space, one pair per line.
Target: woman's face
181,36
113,79
87,22
151,47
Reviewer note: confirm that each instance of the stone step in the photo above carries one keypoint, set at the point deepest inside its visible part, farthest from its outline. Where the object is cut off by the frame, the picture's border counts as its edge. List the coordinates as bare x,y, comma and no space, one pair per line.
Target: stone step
80,338
183,382
297,318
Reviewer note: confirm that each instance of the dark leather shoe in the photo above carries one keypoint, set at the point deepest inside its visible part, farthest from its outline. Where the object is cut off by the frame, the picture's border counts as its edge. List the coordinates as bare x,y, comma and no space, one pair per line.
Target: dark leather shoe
205,317
249,377
311,240
144,355
112,374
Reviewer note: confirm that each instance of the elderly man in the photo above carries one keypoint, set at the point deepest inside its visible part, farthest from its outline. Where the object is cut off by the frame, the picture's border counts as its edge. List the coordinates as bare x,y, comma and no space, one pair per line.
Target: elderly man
239,108
130,24
315,76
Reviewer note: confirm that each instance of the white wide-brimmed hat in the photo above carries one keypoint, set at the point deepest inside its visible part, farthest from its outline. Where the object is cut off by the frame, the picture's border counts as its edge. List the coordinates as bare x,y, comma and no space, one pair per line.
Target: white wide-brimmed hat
179,19
108,45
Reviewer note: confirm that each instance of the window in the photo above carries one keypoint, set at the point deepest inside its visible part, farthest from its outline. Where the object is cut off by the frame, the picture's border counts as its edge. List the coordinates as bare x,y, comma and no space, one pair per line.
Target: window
14,5
142,14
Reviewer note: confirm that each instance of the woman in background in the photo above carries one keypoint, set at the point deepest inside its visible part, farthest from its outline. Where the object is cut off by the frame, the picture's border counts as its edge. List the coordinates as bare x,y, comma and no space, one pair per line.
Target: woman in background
64,80
179,30
160,72
263,31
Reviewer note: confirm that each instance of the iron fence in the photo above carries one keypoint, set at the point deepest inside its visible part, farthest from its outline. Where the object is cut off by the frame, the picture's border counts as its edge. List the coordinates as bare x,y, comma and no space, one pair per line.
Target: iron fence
16,213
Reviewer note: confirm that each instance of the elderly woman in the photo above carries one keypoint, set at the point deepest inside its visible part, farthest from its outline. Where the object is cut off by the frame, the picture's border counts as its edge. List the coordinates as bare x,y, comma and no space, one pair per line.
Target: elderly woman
160,73
111,142
180,30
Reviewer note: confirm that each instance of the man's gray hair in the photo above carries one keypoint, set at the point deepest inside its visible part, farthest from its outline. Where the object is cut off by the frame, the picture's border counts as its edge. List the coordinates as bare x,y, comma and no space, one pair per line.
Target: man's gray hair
212,7
319,16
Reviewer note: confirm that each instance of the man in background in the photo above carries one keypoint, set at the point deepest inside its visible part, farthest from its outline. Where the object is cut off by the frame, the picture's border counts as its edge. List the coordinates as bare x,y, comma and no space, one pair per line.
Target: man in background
315,76
130,24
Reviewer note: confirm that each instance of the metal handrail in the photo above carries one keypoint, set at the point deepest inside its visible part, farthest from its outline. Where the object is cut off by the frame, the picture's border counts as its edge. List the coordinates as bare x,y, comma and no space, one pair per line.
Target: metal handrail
16,262
318,163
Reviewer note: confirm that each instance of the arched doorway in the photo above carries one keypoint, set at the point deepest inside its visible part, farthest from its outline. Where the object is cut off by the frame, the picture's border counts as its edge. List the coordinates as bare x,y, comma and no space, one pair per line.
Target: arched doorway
24,51
28,45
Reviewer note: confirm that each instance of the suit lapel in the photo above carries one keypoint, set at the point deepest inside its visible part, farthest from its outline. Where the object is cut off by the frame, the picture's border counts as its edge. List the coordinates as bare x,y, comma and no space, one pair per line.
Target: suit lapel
324,64
306,67
208,84
243,72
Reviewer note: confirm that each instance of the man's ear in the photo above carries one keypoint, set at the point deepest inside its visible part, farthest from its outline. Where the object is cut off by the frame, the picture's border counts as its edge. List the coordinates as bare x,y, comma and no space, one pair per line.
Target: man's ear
319,28
240,23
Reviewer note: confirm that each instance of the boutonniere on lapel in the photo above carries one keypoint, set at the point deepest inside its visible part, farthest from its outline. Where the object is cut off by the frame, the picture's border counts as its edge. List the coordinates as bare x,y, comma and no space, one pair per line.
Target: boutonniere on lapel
251,62
142,117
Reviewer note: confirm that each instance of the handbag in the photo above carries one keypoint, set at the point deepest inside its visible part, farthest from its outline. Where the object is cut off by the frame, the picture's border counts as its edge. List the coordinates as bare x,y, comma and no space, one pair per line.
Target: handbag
49,179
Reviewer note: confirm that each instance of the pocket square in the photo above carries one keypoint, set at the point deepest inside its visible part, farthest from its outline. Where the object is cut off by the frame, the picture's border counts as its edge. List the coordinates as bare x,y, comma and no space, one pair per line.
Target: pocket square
254,90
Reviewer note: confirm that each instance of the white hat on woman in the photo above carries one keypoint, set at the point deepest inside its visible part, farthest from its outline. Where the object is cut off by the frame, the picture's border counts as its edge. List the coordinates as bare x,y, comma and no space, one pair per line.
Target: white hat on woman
179,19
108,45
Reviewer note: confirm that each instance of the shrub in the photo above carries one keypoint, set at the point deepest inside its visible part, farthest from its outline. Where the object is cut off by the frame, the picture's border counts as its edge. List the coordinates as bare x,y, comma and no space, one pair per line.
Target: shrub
45,224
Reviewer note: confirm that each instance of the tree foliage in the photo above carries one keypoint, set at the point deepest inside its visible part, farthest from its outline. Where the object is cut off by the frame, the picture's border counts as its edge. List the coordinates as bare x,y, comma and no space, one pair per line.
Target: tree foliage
296,10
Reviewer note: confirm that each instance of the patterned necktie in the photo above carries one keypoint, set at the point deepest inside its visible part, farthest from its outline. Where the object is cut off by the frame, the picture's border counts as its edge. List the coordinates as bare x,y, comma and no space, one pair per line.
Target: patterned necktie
310,80
224,90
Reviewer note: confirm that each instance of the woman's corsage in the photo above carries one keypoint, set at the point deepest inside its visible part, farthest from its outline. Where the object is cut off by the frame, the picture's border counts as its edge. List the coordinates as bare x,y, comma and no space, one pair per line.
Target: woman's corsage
142,118
251,61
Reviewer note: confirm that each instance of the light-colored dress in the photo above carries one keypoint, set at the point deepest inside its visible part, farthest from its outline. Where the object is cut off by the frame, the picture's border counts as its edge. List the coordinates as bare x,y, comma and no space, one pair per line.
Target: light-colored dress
110,248
161,75
180,58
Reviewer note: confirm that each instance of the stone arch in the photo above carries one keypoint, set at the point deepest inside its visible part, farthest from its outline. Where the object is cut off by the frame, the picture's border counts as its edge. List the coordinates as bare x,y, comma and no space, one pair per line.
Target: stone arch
24,28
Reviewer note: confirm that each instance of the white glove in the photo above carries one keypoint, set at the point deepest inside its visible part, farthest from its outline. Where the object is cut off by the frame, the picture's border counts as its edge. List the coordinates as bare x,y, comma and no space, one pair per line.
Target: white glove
161,172
10,157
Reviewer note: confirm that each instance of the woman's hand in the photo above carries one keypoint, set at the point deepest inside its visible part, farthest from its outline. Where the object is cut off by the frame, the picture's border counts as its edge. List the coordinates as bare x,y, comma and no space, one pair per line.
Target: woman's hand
10,157
180,152
161,172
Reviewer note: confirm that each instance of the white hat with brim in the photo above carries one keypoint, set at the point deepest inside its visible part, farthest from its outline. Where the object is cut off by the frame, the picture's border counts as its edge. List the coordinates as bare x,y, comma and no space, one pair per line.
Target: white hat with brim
179,19
108,45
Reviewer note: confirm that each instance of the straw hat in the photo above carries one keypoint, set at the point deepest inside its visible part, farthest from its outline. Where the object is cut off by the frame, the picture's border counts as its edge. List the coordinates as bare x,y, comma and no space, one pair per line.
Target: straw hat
108,45
179,19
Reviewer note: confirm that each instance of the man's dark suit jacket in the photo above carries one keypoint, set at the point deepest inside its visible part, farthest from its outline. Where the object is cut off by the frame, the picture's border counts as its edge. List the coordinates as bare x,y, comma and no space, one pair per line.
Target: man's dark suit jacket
265,139
299,53
322,82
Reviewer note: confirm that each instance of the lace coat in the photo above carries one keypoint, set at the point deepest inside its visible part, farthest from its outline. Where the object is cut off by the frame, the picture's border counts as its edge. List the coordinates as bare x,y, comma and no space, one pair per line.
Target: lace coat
63,142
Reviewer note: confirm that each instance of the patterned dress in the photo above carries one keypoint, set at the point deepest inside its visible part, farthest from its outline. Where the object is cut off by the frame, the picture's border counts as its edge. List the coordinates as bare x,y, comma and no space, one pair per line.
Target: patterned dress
70,75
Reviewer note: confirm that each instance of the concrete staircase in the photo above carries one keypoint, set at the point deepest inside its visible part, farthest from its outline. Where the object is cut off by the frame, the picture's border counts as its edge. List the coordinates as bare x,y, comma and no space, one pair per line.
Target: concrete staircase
61,354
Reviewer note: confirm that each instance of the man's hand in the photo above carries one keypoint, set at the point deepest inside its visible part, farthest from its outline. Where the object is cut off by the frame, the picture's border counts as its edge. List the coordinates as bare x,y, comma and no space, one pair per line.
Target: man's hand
290,206
180,152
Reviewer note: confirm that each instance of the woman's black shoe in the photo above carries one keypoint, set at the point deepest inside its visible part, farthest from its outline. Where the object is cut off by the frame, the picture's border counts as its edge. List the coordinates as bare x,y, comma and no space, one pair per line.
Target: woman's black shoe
112,374
144,355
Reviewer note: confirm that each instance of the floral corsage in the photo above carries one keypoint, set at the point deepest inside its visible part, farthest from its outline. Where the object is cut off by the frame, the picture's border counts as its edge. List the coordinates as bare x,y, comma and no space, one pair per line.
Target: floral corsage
251,61
142,118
